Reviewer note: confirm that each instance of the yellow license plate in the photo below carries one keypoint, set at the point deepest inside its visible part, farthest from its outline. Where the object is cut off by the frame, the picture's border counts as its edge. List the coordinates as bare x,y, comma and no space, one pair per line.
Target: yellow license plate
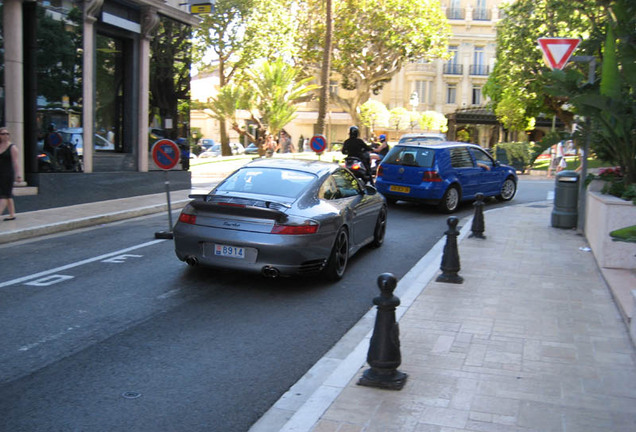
402,189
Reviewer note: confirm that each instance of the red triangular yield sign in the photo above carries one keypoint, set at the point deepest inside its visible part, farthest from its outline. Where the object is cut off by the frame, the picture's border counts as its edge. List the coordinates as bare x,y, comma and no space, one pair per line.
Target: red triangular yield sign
557,51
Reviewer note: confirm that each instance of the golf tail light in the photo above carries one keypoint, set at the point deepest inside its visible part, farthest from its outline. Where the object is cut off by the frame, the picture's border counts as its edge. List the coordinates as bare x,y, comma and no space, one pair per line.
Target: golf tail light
431,176
379,172
188,218
308,227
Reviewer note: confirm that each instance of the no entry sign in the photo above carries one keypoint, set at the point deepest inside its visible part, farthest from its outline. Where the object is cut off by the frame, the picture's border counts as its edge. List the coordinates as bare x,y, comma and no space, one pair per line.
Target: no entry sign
165,153
318,143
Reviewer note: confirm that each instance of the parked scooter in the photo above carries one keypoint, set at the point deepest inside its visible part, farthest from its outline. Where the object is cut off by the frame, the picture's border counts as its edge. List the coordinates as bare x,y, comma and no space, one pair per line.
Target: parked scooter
61,158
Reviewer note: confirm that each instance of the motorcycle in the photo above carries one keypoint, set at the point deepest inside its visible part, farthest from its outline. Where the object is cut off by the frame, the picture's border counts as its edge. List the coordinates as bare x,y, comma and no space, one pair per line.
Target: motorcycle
359,169
63,158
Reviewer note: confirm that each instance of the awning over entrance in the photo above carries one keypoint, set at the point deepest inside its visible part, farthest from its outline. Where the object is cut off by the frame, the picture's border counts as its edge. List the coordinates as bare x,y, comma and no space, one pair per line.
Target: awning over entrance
476,115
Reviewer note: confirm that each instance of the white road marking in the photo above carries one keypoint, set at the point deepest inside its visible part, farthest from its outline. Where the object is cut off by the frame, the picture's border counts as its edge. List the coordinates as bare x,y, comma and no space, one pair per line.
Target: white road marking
77,264
121,258
49,280
48,339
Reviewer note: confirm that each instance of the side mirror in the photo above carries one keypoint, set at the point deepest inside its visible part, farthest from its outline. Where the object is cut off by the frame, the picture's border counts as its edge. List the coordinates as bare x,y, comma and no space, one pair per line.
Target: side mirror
370,190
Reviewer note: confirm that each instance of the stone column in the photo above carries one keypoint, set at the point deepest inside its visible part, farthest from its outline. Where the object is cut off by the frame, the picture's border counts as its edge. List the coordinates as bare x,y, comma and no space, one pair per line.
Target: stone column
14,75
91,9
149,22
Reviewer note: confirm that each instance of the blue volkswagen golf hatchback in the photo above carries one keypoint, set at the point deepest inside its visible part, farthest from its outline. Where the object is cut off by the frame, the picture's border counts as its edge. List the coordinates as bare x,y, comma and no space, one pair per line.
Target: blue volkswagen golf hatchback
444,174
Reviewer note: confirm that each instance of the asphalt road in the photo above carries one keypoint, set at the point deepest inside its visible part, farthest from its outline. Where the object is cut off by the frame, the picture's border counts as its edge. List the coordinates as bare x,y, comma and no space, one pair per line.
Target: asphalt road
105,330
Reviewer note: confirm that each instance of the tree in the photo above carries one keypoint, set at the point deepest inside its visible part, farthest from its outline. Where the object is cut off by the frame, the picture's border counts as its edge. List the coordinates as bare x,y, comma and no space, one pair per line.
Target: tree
270,93
398,118
237,34
433,120
372,41
374,114
325,71
519,76
612,106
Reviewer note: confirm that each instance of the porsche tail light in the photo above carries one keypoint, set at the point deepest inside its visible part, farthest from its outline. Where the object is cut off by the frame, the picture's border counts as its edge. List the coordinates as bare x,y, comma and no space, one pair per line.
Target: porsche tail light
308,227
188,218
431,176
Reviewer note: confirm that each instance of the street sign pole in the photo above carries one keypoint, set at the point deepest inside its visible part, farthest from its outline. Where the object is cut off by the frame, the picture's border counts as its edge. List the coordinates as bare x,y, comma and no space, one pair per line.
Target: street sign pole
165,154
166,234
591,76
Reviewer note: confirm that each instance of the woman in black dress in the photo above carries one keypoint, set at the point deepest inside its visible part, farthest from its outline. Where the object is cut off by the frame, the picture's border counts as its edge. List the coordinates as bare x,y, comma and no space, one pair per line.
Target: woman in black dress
9,173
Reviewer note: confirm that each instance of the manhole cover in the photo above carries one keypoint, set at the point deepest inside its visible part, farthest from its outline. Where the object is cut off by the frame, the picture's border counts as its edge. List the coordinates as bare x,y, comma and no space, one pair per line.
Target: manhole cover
131,395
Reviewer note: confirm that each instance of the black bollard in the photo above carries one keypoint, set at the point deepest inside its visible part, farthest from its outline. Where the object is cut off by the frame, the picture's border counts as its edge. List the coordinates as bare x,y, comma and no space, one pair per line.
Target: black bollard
478,226
450,259
384,349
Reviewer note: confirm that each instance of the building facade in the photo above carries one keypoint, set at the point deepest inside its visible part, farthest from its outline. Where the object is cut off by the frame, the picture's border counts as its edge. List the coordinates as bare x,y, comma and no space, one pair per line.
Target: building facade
95,73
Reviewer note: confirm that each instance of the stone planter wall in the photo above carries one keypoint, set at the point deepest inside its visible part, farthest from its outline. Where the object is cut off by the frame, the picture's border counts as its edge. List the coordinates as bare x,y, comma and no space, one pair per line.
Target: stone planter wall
605,213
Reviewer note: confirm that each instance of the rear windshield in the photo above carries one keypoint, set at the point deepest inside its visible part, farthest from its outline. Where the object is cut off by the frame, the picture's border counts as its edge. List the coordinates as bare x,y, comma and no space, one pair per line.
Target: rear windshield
411,156
267,181
421,140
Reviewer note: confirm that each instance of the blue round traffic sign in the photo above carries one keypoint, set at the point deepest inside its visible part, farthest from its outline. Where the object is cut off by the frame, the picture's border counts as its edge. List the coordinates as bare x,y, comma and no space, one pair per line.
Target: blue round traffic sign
318,143
166,154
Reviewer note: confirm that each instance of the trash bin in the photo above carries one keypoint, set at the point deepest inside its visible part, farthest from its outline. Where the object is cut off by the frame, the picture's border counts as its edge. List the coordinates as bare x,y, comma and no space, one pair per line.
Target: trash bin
566,200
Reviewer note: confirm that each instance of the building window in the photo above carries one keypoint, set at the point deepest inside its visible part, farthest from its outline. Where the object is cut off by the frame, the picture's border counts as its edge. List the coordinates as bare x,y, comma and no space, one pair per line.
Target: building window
454,11
452,67
333,87
476,95
451,94
478,67
421,89
480,13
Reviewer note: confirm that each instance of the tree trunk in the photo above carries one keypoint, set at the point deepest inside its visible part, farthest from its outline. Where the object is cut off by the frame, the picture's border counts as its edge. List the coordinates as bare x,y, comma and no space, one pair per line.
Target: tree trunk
326,66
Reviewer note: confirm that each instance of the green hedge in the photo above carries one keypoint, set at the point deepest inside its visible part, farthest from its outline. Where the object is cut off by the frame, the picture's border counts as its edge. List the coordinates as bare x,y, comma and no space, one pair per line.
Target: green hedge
517,154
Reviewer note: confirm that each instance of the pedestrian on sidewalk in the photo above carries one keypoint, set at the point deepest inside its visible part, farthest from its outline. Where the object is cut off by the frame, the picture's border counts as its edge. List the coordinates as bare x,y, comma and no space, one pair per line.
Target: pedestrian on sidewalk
9,173
559,156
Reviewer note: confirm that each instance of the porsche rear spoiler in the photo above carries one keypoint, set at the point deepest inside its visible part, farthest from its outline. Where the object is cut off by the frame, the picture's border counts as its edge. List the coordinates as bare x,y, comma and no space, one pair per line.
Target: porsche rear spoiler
199,202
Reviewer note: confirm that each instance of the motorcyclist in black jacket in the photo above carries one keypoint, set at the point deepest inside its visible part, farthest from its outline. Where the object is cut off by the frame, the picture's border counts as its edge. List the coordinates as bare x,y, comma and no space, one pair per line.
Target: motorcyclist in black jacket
356,147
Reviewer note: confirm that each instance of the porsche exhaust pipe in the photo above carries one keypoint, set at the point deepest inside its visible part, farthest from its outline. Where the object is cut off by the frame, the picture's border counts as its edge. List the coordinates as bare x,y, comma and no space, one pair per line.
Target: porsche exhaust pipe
270,272
192,261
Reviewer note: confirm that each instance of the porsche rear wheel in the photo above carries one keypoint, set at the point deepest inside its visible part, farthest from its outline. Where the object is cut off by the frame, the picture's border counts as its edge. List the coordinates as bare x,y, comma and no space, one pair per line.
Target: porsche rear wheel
337,263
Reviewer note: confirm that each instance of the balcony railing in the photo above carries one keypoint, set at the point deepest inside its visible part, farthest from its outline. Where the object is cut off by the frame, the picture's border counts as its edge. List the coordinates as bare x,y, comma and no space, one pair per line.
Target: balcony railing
453,69
420,67
481,14
455,13
479,69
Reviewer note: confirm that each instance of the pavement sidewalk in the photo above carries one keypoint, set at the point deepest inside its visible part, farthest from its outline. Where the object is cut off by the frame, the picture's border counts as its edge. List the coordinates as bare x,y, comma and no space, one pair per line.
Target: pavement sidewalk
531,341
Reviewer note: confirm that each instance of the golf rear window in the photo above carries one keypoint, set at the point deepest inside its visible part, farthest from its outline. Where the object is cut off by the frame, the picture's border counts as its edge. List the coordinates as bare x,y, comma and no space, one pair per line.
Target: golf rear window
411,156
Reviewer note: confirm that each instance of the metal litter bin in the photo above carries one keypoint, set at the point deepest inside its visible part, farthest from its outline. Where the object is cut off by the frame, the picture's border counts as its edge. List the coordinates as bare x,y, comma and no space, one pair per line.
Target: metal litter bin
566,200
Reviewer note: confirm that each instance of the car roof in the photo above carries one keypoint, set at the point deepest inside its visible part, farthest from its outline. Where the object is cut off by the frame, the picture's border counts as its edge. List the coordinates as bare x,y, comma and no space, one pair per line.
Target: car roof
440,144
318,168
424,135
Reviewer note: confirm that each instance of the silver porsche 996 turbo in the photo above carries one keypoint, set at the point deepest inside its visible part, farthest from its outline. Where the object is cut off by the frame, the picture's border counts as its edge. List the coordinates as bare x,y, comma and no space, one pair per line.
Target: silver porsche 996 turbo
282,217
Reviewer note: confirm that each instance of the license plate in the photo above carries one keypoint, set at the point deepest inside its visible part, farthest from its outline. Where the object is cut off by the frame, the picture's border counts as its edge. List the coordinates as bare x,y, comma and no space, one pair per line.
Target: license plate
229,251
402,189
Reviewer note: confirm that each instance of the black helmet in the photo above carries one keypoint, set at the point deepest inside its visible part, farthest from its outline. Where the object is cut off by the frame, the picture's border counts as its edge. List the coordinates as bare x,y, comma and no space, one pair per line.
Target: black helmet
354,132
